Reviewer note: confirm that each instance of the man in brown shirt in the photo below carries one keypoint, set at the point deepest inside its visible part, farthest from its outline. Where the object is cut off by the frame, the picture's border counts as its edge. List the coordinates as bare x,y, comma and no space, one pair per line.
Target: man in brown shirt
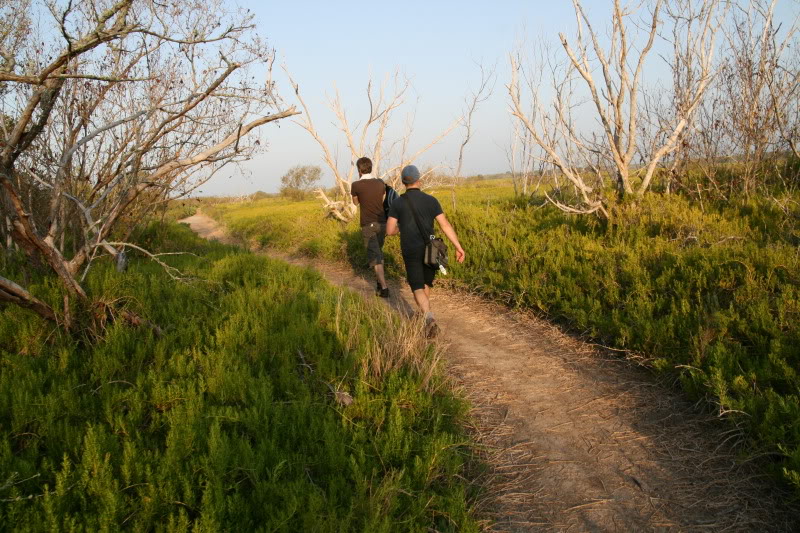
368,193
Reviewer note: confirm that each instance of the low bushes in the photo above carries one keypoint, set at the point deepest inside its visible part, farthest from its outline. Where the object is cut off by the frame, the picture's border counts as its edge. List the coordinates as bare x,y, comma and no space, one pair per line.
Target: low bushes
710,292
230,419
707,294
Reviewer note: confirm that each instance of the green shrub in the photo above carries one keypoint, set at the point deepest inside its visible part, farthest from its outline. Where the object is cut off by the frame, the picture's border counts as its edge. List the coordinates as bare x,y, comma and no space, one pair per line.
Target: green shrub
178,209
710,292
227,421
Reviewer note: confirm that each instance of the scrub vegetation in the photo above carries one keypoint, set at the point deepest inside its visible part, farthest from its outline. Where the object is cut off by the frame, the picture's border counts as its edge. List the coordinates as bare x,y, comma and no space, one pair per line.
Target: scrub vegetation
705,291
265,404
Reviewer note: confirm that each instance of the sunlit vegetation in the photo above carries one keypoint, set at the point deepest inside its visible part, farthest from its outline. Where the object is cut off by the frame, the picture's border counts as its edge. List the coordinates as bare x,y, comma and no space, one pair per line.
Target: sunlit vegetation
271,401
707,290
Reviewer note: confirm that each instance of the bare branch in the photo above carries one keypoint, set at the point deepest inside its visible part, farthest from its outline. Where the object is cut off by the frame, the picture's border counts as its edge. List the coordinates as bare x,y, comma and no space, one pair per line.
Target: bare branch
13,293
77,163
611,71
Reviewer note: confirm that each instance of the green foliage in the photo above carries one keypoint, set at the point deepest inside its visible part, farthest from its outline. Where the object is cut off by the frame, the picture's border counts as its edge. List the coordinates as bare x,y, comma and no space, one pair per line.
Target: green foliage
179,209
298,180
288,227
260,195
227,421
710,291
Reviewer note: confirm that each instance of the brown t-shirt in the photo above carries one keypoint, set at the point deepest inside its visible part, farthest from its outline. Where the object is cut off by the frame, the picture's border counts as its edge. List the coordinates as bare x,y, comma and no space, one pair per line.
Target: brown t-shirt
369,192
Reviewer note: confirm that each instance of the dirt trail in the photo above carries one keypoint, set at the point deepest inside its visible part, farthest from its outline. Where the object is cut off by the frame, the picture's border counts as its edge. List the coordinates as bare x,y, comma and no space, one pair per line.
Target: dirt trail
599,445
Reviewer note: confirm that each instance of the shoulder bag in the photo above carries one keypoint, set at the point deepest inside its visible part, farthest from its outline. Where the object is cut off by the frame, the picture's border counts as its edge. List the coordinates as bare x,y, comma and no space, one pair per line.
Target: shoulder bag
435,248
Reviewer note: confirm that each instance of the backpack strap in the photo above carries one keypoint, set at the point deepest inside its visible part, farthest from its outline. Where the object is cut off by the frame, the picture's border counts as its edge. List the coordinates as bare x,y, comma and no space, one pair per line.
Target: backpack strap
416,218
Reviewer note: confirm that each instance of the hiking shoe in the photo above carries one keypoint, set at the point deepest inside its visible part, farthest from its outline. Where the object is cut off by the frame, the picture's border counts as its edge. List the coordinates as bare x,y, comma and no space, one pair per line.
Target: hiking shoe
384,293
431,329
377,288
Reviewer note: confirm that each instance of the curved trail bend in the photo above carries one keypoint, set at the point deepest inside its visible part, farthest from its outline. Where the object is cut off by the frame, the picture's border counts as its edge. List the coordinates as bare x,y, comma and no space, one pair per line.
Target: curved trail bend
592,443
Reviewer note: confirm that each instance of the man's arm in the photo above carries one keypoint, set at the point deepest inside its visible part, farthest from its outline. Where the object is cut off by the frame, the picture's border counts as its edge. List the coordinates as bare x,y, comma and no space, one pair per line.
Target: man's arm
448,230
391,226
355,199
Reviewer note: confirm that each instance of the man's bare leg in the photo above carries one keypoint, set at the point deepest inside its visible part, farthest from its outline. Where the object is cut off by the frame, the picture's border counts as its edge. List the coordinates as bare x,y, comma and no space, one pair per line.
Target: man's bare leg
423,301
380,275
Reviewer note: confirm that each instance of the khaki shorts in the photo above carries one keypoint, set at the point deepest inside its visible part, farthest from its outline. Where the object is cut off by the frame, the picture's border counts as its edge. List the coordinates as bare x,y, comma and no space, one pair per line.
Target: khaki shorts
374,234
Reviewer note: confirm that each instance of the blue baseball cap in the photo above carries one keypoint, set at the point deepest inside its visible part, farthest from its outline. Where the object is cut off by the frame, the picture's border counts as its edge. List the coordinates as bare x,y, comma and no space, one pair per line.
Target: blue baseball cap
409,175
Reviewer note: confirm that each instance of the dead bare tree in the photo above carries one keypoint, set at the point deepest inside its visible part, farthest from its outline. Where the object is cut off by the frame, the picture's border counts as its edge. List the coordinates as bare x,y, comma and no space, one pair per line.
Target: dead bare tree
748,122
552,133
523,163
759,87
471,104
612,80
111,108
365,138
693,75
381,108
519,165
784,88
525,157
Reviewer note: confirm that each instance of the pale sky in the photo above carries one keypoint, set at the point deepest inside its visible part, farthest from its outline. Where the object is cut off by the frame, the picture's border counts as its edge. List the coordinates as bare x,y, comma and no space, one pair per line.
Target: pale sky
436,44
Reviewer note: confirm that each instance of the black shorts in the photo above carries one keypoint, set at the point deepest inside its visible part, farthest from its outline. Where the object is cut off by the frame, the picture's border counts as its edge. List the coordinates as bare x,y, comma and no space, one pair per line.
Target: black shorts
374,234
418,273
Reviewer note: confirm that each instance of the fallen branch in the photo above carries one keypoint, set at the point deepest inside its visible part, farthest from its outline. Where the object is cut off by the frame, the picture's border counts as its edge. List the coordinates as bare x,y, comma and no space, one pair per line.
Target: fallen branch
13,293
341,211
171,271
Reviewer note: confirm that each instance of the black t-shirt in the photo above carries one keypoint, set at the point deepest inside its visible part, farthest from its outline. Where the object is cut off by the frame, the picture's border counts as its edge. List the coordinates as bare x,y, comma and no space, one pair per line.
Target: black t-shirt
428,209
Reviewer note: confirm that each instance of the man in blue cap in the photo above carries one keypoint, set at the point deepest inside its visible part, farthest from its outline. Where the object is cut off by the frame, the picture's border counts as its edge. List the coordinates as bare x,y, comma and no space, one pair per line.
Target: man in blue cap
412,239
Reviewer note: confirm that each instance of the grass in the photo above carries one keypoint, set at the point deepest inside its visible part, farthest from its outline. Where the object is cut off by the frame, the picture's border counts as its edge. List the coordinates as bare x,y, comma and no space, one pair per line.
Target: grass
229,420
709,292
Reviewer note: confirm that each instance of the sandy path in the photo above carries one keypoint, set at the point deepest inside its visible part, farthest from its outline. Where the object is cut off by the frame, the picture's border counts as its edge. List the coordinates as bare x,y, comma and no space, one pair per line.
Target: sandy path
598,444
